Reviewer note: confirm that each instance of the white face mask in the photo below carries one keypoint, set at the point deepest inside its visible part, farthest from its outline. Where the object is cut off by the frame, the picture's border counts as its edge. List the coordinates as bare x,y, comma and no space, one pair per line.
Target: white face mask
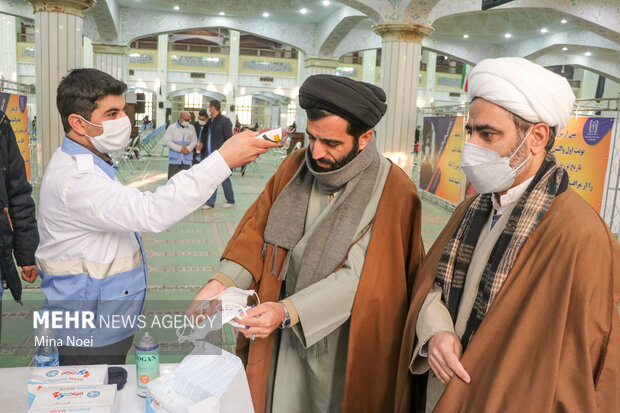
185,124
202,122
486,170
115,136
234,303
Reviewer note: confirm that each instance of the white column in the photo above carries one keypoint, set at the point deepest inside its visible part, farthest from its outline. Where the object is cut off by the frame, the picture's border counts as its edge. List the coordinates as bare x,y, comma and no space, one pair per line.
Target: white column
400,68
312,66
429,88
58,45
112,59
369,66
315,66
233,72
88,57
589,83
275,117
162,76
8,48
300,114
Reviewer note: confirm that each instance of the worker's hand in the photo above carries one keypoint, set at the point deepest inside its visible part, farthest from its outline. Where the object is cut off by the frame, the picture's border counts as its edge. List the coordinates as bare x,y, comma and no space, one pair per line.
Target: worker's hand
444,353
29,273
261,321
199,147
207,292
184,150
243,148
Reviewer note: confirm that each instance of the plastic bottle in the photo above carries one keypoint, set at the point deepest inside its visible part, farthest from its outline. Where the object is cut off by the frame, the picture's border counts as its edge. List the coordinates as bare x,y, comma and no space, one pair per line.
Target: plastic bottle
46,353
147,362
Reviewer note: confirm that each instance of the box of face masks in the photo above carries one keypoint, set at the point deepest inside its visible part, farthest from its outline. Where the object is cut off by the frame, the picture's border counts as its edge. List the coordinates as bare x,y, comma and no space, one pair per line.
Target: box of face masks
202,384
82,398
65,375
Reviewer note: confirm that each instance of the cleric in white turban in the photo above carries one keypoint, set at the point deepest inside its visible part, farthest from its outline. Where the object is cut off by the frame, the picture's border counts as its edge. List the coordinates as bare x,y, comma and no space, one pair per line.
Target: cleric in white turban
523,88
514,307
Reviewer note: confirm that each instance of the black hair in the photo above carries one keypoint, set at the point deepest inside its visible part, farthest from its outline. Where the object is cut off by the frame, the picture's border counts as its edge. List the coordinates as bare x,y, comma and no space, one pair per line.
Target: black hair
523,126
81,89
203,112
354,128
216,104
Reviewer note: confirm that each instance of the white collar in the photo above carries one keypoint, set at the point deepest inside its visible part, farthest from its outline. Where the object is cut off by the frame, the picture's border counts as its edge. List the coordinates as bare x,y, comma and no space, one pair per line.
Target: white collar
510,197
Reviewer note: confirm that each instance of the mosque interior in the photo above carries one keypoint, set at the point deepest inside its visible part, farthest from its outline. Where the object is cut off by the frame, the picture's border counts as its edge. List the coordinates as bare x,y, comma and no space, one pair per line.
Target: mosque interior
176,55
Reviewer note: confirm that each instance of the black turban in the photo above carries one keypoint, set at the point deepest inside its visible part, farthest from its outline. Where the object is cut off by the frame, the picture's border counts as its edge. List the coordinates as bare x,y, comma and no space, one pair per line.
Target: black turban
347,98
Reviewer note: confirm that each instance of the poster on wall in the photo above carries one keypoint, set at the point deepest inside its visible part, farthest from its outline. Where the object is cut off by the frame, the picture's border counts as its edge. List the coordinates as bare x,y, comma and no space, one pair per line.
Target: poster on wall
16,109
582,148
442,142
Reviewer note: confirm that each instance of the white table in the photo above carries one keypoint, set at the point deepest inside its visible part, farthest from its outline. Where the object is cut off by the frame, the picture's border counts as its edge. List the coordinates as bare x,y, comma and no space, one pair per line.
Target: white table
14,394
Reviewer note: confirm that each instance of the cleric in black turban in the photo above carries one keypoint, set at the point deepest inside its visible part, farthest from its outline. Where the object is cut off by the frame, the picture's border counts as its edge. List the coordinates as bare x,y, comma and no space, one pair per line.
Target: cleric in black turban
352,100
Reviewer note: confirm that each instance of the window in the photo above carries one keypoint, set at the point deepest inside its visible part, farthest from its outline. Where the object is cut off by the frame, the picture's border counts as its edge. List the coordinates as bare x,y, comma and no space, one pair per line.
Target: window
193,101
290,118
244,109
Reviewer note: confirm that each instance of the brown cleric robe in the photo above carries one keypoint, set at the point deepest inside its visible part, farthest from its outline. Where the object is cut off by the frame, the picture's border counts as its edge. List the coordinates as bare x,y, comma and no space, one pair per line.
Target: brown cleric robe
394,254
551,340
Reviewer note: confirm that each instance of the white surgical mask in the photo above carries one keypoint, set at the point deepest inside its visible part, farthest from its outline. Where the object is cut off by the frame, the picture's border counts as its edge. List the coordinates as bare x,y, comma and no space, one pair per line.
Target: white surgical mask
486,170
185,124
115,136
234,303
202,122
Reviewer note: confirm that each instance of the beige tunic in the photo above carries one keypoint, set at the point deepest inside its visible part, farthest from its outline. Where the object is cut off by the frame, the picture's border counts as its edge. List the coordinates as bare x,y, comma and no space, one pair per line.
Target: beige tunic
434,317
301,380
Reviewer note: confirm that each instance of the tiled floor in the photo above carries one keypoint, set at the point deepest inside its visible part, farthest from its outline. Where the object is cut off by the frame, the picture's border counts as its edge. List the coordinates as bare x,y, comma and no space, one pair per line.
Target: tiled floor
180,259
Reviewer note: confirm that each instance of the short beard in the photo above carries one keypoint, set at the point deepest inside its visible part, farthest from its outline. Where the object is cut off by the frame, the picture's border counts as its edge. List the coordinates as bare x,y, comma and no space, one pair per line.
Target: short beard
338,163
520,156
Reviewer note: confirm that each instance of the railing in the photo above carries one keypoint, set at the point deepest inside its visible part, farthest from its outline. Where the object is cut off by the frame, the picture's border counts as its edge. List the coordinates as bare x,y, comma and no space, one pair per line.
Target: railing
351,60
25,37
200,48
10,86
144,44
283,54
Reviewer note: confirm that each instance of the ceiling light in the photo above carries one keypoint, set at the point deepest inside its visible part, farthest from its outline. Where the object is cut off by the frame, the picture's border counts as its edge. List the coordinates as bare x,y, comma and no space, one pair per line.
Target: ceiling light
265,14
508,35
176,7
222,13
565,48
465,36
325,3
543,30
588,54
303,11
563,21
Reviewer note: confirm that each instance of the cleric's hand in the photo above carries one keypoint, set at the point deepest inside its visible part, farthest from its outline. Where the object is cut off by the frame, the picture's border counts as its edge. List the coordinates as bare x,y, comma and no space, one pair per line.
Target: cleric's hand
261,321
444,353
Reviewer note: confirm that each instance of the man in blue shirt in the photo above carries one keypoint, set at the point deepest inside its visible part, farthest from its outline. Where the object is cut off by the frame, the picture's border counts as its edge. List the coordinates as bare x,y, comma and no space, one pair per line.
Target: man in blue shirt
181,139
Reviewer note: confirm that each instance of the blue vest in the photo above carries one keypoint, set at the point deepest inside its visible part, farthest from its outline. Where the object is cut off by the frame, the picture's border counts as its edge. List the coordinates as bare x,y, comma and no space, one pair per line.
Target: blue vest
177,158
114,297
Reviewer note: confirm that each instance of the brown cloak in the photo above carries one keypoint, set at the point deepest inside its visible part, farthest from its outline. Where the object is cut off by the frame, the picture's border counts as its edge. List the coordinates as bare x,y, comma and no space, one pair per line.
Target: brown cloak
551,340
381,301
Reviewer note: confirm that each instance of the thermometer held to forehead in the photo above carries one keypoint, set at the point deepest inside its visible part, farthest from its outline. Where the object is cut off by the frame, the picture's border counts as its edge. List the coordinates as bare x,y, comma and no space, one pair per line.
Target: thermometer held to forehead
274,135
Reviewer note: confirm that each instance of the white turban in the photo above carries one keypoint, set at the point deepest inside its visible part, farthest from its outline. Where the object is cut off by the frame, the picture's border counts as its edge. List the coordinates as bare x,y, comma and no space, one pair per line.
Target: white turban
523,88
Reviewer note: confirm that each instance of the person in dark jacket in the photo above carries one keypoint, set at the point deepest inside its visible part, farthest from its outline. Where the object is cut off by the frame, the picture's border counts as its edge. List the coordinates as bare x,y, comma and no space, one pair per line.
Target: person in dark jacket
18,227
200,151
219,130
